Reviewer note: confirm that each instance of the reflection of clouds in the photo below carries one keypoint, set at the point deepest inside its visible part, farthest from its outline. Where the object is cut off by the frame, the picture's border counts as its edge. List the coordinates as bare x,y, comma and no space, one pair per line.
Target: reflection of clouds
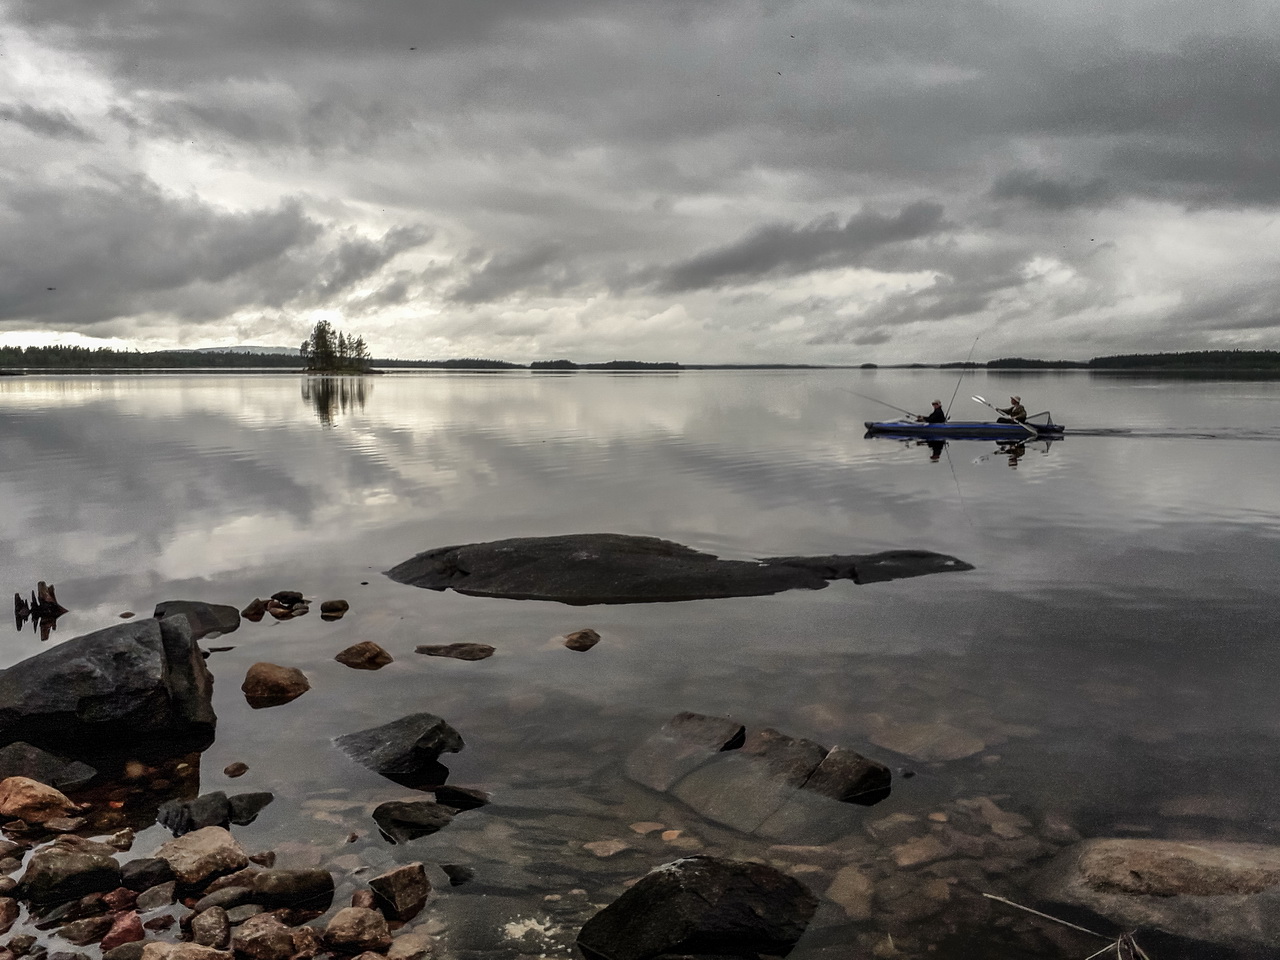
186,477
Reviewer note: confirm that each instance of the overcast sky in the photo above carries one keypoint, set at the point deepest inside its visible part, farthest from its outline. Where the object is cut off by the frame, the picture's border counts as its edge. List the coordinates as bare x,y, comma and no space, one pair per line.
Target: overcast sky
814,181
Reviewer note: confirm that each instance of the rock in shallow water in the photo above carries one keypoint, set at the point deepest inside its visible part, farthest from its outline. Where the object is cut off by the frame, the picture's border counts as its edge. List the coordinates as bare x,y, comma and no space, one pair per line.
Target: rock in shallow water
270,685
1226,894
365,655
457,651
616,568
205,619
405,750
702,905
769,783
581,641
404,820
24,760
139,681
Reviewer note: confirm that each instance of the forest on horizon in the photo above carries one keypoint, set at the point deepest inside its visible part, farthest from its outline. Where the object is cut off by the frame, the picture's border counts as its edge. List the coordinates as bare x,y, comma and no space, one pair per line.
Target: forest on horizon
76,358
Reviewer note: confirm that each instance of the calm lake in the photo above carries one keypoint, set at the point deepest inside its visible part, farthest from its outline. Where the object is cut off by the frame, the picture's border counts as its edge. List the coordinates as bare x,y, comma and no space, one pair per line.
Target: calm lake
1112,658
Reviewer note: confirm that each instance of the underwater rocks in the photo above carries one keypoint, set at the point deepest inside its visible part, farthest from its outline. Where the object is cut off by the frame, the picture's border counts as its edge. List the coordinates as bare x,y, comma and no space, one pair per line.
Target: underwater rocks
457,651
617,568
771,784
403,820
702,905
23,760
136,681
1225,894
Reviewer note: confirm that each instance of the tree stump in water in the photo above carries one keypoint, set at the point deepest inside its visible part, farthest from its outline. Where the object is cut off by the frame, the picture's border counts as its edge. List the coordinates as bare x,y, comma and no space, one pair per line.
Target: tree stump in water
43,610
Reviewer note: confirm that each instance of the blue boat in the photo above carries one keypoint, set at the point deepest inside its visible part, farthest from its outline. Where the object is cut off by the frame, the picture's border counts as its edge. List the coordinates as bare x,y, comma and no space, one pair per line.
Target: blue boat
964,430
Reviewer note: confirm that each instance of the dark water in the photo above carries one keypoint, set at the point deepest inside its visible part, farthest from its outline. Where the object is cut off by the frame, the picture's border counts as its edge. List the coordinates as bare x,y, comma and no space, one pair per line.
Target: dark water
1113,651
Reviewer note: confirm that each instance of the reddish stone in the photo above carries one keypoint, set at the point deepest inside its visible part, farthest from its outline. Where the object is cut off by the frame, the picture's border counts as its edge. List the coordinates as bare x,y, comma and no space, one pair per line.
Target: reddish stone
121,898
126,929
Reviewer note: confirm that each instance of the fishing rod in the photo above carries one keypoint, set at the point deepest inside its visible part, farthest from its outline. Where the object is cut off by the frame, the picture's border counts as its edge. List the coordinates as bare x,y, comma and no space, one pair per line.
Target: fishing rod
961,380
881,402
1031,430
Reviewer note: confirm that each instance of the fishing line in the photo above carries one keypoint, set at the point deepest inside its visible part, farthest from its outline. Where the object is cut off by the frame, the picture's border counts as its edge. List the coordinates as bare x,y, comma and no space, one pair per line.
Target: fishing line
964,507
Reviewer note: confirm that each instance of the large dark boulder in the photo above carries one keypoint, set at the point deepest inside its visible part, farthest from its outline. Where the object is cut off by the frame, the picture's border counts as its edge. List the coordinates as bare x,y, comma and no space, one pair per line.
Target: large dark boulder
702,906
617,568
108,690
406,750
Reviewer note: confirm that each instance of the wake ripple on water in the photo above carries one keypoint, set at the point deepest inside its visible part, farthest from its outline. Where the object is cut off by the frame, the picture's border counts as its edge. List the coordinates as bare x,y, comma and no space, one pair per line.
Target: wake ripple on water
1176,433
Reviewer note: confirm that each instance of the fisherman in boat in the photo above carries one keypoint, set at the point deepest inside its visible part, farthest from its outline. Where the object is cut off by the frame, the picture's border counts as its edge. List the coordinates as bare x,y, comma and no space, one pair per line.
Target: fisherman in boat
1014,413
938,415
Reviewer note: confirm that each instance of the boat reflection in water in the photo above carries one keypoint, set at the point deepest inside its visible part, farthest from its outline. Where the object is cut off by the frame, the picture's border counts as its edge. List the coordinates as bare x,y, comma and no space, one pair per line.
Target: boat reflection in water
1014,450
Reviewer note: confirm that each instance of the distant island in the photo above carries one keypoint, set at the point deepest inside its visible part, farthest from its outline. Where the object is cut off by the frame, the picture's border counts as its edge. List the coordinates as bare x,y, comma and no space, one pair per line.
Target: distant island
328,350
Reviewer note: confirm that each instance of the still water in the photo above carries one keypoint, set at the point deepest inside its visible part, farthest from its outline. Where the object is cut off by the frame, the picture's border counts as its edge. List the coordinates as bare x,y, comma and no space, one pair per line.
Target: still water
1113,651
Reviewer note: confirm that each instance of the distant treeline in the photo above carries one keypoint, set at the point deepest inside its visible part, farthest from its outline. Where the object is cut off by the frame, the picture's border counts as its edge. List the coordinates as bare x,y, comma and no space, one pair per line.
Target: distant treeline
85,358
1193,360
325,358
103,358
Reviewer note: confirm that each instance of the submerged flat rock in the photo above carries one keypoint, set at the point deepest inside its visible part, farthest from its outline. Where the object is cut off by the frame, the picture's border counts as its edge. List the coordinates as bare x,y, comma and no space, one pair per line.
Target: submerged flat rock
617,568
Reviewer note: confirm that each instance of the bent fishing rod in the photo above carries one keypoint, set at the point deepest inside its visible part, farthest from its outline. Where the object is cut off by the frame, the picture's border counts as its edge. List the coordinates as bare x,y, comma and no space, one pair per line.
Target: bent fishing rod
881,402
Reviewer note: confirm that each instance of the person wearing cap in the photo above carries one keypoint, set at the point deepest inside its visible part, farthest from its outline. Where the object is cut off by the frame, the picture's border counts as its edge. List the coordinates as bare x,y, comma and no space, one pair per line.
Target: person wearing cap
936,415
1016,412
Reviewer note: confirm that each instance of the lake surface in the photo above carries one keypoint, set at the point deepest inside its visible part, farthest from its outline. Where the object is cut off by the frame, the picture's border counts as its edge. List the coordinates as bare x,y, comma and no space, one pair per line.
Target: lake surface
1114,651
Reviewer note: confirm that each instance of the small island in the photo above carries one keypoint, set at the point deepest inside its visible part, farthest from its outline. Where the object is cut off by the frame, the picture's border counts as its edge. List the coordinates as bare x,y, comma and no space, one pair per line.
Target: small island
328,350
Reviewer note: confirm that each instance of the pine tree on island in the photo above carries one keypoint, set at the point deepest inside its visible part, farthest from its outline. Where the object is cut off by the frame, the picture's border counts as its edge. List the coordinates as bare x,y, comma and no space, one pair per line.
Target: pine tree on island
331,351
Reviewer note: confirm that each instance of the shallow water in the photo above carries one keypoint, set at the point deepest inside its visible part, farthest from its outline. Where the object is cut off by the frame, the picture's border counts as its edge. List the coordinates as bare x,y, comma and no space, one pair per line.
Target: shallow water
1113,648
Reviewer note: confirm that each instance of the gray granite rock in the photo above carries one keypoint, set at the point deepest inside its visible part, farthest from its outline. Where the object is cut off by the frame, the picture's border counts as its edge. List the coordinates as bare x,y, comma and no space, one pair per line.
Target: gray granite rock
142,680
617,568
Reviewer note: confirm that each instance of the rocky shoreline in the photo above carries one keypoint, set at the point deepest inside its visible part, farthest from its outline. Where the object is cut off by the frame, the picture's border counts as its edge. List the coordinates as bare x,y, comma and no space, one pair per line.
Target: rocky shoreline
705,836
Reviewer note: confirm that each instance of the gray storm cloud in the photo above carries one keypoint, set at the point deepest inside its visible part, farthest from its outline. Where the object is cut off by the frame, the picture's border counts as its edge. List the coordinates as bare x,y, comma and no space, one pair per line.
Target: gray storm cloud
783,248
501,178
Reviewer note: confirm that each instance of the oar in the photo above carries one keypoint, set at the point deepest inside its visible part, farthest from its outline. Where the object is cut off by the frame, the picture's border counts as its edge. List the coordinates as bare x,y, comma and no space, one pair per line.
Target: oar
1031,430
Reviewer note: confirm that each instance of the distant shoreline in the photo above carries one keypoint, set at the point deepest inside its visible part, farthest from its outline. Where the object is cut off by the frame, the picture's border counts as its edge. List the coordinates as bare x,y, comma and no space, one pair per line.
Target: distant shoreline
15,361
